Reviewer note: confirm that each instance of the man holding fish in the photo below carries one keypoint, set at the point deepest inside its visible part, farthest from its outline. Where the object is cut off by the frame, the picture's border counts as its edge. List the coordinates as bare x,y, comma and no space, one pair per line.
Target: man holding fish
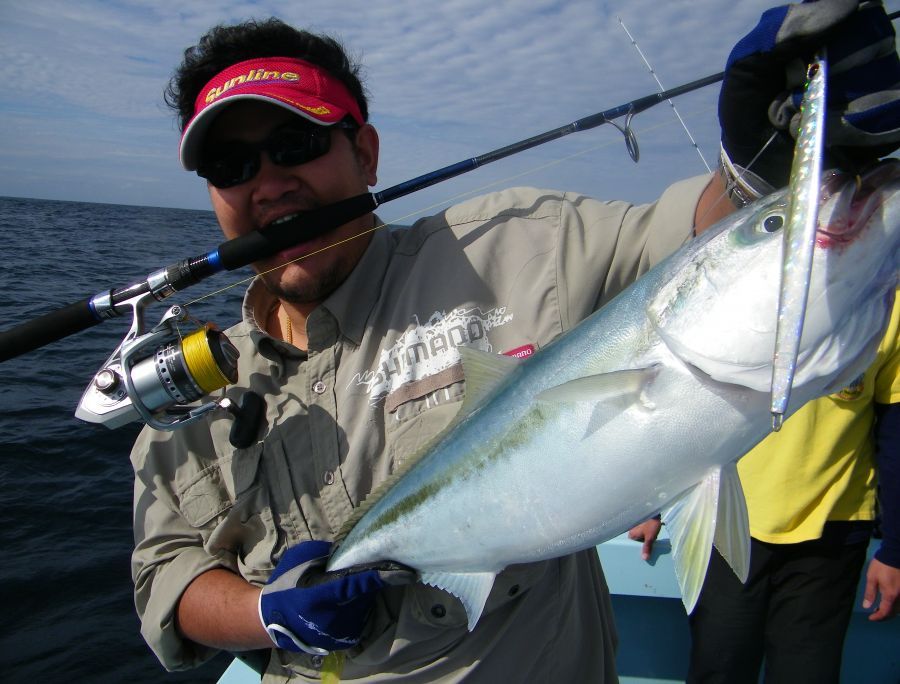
353,341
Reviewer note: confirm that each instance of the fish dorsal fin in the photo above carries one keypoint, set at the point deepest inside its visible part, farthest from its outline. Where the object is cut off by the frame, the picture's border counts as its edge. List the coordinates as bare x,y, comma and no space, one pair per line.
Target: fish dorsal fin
484,371
471,588
712,511
624,385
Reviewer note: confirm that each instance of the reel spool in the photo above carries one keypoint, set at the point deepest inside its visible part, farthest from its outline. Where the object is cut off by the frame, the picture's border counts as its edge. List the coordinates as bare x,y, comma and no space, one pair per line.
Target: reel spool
183,371
155,377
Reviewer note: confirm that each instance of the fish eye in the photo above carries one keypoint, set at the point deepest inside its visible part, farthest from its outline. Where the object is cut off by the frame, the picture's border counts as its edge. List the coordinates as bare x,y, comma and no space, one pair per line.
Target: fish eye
773,223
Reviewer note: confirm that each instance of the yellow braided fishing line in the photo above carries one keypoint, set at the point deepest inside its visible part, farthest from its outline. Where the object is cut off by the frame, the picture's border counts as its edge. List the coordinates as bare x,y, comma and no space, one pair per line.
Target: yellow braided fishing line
200,362
332,668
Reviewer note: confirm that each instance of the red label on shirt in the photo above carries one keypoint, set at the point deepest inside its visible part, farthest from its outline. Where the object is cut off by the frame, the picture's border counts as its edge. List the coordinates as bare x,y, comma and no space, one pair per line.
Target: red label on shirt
521,352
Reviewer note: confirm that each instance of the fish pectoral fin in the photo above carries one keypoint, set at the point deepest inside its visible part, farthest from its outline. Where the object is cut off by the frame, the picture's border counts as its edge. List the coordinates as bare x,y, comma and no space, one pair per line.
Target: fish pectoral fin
621,385
471,588
713,511
483,372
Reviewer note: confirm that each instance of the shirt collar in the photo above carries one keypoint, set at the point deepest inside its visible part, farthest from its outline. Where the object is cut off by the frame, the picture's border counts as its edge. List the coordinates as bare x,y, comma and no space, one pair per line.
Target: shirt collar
258,302
354,300
350,304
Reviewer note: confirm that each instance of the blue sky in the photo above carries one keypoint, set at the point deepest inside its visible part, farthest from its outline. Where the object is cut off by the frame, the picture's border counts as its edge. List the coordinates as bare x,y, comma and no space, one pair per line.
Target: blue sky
83,118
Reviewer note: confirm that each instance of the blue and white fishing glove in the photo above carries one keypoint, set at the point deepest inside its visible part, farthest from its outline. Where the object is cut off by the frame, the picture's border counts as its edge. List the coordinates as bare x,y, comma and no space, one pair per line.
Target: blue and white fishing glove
303,608
766,75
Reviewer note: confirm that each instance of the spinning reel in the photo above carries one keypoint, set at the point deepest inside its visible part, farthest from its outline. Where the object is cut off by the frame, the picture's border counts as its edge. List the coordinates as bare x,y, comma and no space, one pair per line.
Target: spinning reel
156,376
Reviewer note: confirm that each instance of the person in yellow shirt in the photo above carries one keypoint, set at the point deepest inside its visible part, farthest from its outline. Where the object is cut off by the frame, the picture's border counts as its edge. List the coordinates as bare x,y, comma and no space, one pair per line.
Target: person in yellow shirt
812,490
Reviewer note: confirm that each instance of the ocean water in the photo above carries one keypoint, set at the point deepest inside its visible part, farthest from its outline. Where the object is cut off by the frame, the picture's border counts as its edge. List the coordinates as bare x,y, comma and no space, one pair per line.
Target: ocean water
65,486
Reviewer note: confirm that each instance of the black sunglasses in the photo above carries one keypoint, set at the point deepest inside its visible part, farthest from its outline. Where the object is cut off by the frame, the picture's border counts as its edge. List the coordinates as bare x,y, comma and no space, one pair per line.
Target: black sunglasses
233,163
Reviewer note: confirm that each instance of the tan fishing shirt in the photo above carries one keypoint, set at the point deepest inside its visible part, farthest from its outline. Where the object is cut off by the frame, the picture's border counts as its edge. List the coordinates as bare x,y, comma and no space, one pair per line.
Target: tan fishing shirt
507,272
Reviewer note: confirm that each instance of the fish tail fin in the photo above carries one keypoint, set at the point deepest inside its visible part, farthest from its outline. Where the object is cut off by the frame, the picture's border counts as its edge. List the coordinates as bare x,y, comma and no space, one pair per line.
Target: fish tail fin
471,588
712,512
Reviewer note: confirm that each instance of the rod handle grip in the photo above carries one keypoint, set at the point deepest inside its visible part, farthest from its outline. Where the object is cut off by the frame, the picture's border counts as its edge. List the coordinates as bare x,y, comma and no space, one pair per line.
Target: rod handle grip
265,242
45,329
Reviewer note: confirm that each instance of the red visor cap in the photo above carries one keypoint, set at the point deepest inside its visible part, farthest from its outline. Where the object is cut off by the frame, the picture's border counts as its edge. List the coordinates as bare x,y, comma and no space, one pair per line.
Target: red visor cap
294,84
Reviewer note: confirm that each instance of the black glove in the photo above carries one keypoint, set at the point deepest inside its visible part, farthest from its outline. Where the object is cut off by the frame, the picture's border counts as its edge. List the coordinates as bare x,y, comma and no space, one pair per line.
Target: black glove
766,74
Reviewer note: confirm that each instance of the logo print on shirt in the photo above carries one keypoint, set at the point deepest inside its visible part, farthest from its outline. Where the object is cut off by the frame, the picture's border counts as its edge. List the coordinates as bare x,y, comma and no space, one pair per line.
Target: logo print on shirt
852,391
430,347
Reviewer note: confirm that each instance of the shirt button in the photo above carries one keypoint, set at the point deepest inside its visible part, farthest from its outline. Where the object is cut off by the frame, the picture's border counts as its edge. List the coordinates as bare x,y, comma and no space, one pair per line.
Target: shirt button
328,477
319,387
438,610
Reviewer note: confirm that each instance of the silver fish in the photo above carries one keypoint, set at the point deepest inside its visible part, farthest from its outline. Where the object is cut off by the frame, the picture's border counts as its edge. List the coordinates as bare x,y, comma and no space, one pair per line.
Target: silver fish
643,407
799,238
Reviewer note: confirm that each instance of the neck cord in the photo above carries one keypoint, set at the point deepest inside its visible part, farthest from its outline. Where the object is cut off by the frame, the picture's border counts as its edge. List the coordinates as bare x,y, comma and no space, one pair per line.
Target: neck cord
290,331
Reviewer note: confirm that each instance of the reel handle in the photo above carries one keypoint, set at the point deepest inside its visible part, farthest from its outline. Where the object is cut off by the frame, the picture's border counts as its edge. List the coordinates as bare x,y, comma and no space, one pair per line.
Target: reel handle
48,328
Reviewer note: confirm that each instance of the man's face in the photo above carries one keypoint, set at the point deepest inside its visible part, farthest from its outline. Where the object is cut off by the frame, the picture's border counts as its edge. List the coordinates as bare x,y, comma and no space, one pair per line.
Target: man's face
276,192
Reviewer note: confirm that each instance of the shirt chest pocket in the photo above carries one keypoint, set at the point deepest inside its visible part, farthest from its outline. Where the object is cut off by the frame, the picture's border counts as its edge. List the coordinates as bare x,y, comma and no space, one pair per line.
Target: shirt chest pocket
419,410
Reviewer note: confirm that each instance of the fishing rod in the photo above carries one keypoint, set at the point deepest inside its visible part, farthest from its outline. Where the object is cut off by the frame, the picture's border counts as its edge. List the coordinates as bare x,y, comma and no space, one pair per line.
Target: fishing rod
156,374
267,241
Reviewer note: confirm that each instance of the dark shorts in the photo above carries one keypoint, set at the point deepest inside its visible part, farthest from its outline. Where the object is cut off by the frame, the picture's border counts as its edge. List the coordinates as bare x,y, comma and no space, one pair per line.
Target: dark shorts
793,613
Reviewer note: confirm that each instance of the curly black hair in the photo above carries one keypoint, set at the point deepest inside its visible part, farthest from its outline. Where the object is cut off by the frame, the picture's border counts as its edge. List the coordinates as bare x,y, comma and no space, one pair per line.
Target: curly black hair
223,46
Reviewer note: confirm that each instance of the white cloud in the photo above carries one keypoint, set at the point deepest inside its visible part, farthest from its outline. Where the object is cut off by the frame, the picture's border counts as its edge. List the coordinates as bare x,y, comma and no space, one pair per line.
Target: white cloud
449,79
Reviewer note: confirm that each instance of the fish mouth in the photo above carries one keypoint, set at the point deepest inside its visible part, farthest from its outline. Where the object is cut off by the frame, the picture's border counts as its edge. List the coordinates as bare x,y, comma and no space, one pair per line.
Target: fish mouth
851,201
